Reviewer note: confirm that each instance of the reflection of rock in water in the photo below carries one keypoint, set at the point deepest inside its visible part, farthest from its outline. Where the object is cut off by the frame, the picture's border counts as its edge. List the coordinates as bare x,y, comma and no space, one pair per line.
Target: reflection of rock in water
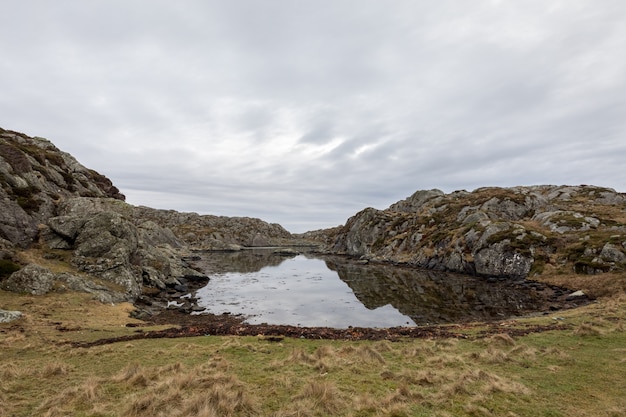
436,297
244,261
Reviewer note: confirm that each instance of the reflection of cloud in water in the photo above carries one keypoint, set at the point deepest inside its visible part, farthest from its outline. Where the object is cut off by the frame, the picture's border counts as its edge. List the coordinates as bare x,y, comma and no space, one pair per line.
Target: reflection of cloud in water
313,297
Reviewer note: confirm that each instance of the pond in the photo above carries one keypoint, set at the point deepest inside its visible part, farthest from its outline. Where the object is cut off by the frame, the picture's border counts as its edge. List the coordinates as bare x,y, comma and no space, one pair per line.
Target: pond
311,291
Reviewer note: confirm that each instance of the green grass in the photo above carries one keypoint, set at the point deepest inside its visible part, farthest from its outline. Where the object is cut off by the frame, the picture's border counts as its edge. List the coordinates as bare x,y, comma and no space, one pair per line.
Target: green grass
576,371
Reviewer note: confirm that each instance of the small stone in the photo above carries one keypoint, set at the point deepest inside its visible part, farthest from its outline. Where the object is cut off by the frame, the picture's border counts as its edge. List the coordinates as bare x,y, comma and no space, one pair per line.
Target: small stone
8,316
576,294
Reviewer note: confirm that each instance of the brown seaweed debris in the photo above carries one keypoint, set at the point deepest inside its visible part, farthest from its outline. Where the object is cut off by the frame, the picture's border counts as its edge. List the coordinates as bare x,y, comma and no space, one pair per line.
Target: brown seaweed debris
228,325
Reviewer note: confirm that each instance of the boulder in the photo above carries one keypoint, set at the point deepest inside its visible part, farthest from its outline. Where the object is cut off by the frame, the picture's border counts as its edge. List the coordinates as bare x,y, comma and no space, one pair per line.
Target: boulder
7,316
67,227
32,279
612,253
499,260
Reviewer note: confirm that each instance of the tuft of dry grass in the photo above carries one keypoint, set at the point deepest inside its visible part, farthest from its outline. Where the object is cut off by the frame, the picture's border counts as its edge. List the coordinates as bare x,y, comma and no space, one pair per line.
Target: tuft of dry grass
132,374
55,369
501,339
370,354
587,329
323,396
298,355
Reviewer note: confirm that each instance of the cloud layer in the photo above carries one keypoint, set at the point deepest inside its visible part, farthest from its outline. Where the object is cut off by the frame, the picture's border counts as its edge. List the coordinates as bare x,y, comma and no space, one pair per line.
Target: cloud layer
304,112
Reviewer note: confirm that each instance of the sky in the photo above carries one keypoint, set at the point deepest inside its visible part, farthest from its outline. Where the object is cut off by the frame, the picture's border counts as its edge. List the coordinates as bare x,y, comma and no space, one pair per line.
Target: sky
305,112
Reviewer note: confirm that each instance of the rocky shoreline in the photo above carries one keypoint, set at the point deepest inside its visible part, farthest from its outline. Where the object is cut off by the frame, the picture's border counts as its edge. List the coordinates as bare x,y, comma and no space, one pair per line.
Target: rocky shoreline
177,306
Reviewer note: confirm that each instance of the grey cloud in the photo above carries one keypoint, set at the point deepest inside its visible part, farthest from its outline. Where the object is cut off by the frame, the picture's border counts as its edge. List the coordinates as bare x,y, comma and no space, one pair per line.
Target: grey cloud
303,113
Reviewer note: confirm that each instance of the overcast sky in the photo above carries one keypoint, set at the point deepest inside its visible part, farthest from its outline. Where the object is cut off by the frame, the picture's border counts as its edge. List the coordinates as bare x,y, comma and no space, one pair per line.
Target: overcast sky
304,112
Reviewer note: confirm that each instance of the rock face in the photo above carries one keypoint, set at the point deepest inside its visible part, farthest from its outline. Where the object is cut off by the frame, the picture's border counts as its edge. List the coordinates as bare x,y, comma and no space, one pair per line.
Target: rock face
53,207
504,232
206,232
34,176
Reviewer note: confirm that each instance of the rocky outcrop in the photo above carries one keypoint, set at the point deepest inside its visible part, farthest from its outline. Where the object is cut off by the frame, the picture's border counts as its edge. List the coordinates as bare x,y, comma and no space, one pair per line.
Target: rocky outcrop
108,241
37,280
207,232
504,232
34,177
51,204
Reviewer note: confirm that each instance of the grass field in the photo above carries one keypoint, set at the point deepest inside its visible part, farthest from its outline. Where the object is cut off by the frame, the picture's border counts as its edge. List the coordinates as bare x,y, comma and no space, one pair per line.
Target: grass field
578,371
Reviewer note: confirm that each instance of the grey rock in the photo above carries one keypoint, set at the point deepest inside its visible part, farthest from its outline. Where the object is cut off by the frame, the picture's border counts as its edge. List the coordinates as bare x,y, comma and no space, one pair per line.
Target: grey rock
578,293
100,292
504,209
108,235
153,234
52,240
490,231
16,225
286,252
67,227
476,217
416,201
612,253
498,260
7,316
611,197
563,221
35,176
32,279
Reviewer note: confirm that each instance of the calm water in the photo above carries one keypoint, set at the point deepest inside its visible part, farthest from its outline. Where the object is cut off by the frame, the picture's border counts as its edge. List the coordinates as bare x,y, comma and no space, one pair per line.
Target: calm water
335,292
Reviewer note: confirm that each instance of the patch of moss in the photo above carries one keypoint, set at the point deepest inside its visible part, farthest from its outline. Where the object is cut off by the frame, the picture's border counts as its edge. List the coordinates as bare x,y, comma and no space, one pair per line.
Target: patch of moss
569,220
16,158
25,197
528,239
68,178
587,265
26,192
29,205
55,159
482,195
8,267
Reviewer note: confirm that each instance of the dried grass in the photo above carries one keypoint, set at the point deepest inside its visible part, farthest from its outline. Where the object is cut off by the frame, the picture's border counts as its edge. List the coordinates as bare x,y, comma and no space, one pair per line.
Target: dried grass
501,339
9,371
369,354
491,355
587,329
13,338
324,351
323,396
181,392
134,375
55,369
477,381
298,355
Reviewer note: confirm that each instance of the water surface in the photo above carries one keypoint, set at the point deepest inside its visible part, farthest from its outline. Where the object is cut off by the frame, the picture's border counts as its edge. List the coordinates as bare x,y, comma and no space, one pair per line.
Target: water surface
337,292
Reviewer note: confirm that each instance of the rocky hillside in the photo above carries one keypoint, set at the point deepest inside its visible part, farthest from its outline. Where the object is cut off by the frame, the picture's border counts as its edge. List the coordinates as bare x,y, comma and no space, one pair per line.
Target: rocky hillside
34,177
63,225
504,232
